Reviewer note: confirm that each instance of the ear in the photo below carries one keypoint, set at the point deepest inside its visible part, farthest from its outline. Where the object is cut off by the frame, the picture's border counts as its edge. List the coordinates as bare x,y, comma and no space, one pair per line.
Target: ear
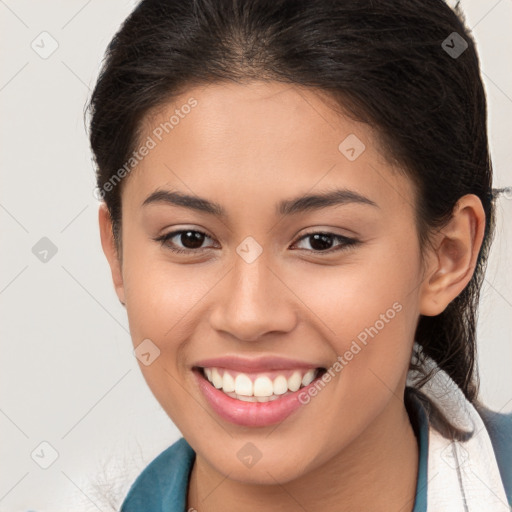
110,250
453,257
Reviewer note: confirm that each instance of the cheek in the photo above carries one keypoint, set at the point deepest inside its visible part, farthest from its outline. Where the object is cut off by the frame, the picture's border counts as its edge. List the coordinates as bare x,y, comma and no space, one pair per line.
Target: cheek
161,297
368,312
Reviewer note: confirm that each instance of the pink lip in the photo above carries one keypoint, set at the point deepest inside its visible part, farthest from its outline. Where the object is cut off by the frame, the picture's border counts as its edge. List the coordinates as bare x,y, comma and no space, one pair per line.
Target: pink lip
255,364
249,414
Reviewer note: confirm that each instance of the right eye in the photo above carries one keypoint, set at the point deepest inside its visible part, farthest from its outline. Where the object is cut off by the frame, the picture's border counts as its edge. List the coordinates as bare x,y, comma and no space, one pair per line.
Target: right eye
189,237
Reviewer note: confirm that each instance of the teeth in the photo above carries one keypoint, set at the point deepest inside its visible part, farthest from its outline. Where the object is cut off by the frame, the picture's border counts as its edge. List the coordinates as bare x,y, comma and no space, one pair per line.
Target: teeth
308,378
243,385
216,378
263,389
228,383
280,385
245,398
295,381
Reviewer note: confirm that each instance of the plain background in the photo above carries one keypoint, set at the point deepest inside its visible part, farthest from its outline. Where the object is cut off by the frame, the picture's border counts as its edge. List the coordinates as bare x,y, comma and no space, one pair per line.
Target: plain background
68,376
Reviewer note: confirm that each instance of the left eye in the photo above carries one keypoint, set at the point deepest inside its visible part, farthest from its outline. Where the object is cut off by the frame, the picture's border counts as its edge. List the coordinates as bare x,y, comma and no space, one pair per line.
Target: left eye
321,242
194,237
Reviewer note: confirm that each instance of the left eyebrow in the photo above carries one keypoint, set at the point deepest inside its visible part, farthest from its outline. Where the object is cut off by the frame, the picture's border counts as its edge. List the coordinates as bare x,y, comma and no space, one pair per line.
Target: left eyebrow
322,200
185,200
284,208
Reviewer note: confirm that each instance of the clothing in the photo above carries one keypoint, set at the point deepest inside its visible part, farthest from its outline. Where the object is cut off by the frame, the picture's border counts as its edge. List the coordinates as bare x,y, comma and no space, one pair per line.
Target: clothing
162,486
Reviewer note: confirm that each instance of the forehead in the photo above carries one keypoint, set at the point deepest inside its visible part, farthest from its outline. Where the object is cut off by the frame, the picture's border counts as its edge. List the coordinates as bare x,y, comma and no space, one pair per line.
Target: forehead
256,141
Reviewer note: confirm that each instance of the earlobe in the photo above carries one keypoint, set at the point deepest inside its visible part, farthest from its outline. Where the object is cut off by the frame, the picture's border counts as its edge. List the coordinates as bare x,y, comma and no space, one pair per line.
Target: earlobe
453,257
110,250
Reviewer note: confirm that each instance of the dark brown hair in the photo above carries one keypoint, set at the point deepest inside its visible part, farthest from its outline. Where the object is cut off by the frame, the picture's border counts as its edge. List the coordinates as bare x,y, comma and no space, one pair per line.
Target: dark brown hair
386,63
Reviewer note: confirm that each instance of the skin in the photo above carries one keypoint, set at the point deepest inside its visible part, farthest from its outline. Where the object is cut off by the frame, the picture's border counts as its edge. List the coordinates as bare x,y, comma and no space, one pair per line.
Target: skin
248,147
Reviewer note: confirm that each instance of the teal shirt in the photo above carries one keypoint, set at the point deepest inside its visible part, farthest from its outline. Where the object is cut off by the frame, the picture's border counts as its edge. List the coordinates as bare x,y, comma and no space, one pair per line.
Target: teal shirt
162,485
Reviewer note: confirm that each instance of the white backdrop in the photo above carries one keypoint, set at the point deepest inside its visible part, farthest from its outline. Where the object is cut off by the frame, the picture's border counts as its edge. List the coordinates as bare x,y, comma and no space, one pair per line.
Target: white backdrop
67,375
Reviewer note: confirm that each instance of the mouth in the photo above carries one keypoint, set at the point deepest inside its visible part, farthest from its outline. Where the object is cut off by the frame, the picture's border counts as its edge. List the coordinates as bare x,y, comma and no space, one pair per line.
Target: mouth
261,386
255,399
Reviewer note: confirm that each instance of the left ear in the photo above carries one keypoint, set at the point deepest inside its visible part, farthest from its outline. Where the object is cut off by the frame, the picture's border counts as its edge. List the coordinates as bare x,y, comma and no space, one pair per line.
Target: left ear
453,257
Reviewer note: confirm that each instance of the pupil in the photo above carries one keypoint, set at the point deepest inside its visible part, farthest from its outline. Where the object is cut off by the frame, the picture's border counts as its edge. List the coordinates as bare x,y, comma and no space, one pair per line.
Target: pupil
321,241
195,239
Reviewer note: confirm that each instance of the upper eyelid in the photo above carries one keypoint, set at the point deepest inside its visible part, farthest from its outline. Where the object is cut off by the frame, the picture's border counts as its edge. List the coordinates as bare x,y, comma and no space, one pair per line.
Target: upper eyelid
172,234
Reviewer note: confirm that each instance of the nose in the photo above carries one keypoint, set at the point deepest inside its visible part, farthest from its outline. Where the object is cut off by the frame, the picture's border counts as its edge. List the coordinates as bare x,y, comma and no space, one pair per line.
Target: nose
252,300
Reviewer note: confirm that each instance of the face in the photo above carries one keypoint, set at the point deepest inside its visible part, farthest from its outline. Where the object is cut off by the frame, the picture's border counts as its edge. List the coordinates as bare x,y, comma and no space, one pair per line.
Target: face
316,283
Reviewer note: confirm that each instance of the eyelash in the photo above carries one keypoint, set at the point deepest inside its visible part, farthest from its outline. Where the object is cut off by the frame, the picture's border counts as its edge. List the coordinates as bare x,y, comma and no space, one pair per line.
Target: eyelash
346,241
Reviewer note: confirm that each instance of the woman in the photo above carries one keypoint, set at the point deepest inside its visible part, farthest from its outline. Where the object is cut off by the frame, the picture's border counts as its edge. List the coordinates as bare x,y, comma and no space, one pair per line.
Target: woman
297,211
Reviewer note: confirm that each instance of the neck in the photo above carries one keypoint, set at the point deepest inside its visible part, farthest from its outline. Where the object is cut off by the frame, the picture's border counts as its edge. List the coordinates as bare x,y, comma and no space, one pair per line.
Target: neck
378,471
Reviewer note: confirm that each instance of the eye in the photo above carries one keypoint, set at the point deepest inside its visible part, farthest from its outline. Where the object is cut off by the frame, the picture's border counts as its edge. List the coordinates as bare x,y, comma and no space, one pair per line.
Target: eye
193,239
321,242
190,238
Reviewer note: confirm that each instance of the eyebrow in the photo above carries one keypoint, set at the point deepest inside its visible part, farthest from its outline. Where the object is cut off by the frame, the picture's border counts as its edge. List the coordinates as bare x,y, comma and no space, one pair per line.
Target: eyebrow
286,207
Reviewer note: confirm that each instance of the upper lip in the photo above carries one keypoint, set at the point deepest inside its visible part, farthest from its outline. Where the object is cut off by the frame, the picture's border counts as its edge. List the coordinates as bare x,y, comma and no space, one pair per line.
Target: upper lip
255,364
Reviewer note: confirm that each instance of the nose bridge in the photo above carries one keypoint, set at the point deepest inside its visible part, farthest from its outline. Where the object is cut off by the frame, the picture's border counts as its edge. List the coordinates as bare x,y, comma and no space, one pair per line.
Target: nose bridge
253,300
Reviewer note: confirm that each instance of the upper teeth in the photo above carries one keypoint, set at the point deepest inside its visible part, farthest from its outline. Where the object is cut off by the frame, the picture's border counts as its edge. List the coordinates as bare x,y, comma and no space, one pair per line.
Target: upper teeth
262,386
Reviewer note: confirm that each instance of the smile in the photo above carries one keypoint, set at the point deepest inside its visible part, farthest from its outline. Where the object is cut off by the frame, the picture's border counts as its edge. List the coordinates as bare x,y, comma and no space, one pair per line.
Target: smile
257,387
255,399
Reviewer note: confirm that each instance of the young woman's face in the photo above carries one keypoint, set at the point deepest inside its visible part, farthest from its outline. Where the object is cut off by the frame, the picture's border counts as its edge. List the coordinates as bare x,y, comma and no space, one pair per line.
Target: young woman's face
256,286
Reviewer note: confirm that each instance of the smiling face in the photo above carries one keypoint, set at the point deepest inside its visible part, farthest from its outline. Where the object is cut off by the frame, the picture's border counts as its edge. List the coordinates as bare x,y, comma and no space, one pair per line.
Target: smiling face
251,284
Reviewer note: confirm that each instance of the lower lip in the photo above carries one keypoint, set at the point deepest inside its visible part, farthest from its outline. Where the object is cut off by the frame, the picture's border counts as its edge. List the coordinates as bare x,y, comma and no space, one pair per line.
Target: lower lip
250,414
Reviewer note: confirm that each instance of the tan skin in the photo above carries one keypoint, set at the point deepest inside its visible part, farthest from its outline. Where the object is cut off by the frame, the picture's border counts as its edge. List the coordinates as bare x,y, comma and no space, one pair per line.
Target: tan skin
247,147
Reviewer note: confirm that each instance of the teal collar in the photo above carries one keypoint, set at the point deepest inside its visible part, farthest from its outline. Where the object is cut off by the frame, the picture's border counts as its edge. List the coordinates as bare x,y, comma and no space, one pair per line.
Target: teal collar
163,485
